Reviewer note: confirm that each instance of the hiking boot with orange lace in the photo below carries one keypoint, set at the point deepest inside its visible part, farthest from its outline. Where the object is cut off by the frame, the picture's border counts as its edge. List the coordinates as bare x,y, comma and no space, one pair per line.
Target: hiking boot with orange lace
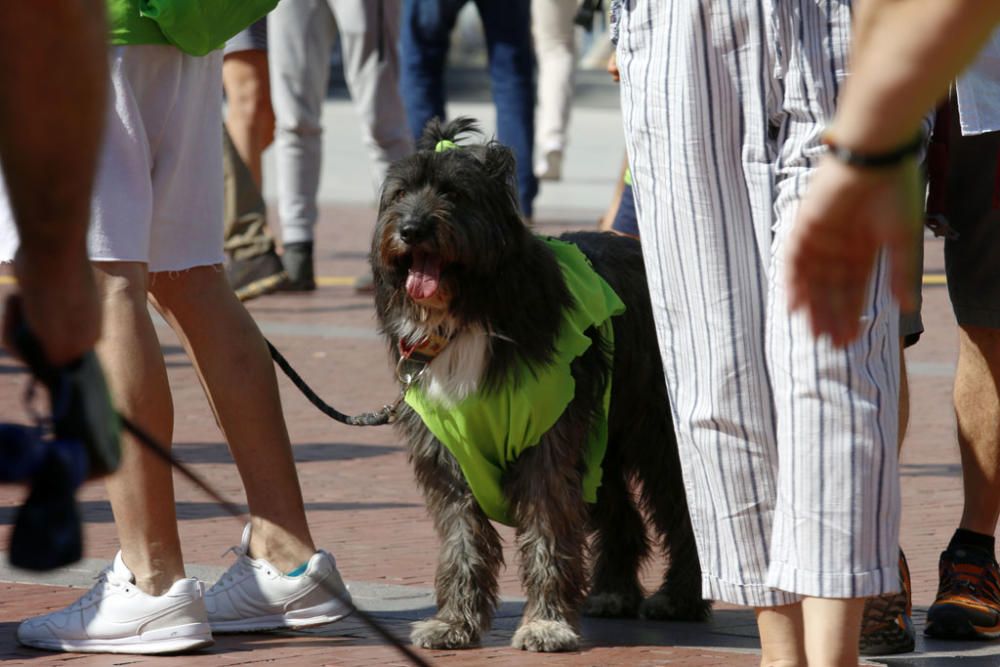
887,624
968,600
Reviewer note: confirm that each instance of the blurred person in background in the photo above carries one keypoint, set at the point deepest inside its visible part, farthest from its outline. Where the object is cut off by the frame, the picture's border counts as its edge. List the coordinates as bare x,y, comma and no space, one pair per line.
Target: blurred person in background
967,604
424,42
253,266
302,35
554,30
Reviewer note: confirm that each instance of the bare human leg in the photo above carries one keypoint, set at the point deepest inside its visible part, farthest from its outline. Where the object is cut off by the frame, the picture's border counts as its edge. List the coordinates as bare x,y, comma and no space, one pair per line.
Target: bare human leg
781,636
977,409
967,604
819,632
141,491
832,628
235,369
249,117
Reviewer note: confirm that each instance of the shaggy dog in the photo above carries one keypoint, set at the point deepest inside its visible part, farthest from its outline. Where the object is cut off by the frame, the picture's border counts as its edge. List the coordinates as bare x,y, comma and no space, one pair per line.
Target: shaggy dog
477,312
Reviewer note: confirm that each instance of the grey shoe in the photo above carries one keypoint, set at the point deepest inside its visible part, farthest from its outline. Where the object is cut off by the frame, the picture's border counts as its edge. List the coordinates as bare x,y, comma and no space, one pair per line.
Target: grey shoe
298,261
548,167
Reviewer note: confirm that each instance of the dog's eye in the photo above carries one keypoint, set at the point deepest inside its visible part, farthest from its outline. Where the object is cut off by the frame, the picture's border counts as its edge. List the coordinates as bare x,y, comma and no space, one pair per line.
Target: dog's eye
399,195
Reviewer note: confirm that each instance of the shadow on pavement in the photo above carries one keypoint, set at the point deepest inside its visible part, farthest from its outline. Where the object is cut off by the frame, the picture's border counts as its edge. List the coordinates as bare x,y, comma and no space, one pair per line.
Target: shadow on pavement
728,629
930,470
264,306
916,660
218,452
99,511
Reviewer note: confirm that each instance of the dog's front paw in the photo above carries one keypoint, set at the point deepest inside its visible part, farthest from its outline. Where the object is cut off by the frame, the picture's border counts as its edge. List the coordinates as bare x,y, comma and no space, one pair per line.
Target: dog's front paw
661,606
546,637
436,633
611,605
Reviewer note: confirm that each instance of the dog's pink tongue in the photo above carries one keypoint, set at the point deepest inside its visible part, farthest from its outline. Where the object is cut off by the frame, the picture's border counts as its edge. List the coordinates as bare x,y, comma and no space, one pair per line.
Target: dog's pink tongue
425,273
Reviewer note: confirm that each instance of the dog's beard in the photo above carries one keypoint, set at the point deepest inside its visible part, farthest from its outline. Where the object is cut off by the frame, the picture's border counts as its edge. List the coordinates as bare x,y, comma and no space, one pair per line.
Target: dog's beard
421,323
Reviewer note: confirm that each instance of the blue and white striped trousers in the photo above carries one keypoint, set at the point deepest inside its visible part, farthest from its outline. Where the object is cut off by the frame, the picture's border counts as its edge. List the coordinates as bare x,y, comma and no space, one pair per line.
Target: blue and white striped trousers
788,445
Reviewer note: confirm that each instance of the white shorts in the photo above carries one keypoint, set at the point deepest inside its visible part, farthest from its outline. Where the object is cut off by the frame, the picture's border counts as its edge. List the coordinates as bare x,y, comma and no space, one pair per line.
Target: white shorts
158,195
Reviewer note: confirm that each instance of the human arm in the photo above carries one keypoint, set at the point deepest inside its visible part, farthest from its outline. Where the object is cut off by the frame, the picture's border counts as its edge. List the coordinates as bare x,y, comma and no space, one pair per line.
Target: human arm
905,54
54,83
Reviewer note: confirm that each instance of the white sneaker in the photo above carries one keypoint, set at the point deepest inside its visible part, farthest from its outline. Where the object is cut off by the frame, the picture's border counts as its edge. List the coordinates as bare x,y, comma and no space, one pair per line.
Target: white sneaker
548,167
253,595
117,617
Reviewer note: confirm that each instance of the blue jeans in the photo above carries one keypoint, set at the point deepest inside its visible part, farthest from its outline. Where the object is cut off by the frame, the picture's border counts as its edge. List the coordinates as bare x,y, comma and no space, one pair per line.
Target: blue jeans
424,39
625,219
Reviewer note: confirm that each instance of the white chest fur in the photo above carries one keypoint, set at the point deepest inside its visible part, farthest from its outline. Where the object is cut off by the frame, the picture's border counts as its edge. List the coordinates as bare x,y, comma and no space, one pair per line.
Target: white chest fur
458,370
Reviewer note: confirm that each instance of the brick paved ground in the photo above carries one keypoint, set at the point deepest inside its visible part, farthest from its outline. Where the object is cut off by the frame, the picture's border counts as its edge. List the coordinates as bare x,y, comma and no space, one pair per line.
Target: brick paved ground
364,507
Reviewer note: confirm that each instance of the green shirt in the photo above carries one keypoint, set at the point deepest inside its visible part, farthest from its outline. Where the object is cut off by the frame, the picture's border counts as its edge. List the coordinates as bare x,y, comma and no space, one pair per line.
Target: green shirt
127,26
196,27
486,432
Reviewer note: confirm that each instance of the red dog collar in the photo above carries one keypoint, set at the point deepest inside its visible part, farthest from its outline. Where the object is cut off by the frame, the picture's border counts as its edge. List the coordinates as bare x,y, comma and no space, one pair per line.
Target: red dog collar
424,350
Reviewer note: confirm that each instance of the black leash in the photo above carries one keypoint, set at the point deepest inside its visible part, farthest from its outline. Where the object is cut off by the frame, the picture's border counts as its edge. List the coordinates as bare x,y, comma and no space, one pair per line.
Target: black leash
384,416
151,444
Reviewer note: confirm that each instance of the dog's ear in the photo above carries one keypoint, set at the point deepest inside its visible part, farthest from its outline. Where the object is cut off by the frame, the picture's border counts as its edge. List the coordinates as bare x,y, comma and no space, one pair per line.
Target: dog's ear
501,167
436,131
499,162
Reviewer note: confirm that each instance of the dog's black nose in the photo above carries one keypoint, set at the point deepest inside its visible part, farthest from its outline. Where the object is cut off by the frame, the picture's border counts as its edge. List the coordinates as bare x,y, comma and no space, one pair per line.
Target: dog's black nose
414,230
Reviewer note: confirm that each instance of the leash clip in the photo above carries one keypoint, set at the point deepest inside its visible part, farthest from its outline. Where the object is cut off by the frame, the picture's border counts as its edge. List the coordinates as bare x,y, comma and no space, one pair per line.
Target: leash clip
406,380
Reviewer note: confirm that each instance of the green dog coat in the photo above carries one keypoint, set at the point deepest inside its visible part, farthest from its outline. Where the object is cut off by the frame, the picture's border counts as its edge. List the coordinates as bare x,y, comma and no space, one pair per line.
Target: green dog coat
486,432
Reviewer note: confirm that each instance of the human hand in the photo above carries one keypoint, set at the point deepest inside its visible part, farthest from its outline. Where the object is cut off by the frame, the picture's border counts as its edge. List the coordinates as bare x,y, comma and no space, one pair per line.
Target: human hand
847,216
612,68
59,303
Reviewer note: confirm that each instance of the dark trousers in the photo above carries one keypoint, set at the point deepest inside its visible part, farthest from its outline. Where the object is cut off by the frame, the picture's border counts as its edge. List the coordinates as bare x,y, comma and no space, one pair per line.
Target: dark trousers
424,39
965,188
